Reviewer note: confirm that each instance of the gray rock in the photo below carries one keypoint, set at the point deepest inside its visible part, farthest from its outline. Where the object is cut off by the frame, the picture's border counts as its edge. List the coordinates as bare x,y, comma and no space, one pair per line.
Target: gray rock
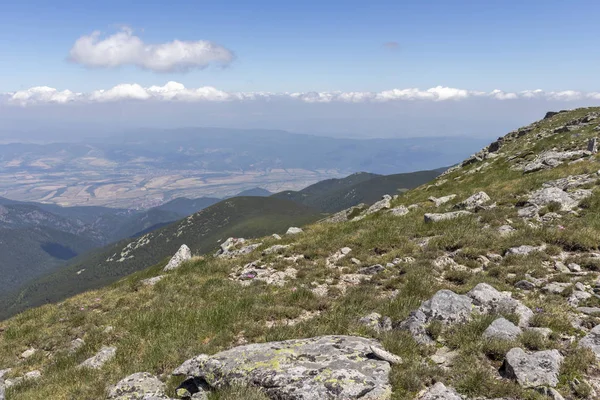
234,247
28,353
589,310
152,281
399,211
2,392
346,215
385,202
561,267
540,368
183,254
325,367
293,231
102,357
506,230
524,250
529,212
578,296
139,386
445,306
573,267
556,287
593,145
502,329
525,285
592,341
76,344
385,355
567,200
438,201
571,181
488,300
439,391
275,249
474,201
33,375
551,159
433,217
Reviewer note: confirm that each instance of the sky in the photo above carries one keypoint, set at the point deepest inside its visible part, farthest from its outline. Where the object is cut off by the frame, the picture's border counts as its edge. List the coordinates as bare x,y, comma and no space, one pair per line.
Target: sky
349,68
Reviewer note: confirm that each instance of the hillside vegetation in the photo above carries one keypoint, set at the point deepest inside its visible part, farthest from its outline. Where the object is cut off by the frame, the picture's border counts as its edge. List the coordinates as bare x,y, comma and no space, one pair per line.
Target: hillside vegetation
334,195
419,261
202,231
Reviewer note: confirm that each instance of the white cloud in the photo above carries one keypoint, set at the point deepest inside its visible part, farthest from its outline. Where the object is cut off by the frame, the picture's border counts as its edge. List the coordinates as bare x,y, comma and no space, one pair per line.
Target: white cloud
502,95
124,48
175,91
43,94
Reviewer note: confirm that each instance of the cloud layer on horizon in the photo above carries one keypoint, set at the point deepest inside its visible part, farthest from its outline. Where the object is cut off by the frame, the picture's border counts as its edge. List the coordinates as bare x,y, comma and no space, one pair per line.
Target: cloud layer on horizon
124,48
174,91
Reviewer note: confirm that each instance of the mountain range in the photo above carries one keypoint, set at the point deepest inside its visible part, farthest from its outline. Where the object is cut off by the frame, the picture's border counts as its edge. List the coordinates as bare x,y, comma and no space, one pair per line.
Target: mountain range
52,245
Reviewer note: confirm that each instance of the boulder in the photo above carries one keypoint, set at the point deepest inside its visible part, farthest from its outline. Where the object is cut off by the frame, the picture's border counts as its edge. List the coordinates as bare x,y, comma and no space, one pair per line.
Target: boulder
183,254
348,214
234,247
138,386
293,231
76,344
385,202
433,217
439,391
567,200
551,159
438,201
445,306
592,341
540,368
571,181
488,300
324,367
102,357
399,211
524,250
474,201
502,329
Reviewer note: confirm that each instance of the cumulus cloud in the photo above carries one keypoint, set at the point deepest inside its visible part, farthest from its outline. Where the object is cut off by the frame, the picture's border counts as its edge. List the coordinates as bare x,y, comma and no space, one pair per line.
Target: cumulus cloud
175,91
124,48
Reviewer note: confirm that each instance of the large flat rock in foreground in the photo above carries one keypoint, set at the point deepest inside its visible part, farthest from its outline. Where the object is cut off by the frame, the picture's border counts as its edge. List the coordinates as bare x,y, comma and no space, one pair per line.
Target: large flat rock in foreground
324,367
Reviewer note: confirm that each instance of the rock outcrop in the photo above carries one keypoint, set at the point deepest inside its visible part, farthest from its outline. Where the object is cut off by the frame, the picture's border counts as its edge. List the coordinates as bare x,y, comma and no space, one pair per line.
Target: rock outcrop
433,217
325,367
183,254
138,386
540,368
102,357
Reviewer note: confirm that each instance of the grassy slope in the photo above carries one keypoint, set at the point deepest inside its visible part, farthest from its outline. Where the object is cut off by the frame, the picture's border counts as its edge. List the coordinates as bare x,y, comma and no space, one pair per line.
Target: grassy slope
240,216
196,309
334,195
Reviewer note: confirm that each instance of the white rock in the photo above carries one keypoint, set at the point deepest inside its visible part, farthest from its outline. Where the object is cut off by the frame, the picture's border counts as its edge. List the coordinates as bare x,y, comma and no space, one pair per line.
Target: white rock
183,254
293,231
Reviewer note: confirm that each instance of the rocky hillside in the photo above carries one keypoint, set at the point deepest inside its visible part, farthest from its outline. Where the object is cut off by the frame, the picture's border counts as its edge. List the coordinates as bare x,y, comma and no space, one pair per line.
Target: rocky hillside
479,285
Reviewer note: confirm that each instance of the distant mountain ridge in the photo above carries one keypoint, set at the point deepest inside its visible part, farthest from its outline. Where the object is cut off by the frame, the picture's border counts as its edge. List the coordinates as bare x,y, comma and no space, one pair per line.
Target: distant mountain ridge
153,234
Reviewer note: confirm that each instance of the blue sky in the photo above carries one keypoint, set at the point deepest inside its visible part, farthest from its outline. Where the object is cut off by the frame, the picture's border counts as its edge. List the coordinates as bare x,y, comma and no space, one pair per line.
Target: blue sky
353,68
317,45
